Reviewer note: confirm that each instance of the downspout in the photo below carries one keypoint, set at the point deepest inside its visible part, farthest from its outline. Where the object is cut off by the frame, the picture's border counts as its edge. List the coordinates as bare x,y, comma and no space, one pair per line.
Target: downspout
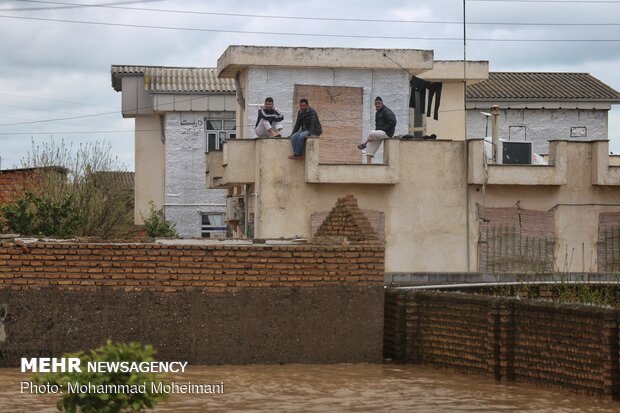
246,213
256,209
495,133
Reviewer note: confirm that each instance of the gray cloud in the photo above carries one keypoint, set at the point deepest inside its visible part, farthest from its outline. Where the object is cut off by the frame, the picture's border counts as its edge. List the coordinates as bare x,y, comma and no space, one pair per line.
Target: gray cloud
63,68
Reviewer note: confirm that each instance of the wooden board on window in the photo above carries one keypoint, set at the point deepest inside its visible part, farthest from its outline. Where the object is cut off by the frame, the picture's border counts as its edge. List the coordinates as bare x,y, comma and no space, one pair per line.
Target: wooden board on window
340,112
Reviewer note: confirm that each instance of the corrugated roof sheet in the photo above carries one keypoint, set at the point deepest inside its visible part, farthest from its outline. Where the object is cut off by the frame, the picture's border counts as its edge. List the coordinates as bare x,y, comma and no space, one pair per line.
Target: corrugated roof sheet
160,79
537,86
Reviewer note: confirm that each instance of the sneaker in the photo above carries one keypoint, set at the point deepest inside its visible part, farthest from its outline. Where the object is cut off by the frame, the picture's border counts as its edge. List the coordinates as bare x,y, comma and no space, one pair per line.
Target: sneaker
361,146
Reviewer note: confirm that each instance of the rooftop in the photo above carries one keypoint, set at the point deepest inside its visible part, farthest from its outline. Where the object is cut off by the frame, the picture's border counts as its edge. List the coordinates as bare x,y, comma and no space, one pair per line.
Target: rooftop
537,86
162,79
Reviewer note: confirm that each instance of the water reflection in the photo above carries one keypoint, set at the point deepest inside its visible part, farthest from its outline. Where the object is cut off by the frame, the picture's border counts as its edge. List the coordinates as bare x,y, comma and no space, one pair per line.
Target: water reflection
338,388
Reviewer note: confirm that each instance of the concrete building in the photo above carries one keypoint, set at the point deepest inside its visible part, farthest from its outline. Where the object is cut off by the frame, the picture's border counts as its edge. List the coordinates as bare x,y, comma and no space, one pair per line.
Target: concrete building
439,204
538,107
180,113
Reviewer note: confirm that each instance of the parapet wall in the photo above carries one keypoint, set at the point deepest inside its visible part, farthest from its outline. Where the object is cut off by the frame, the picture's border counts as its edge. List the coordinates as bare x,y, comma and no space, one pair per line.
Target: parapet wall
570,346
206,304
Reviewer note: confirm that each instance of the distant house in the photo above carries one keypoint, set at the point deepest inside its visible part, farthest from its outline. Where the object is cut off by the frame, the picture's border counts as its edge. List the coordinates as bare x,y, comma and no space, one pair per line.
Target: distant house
538,107
180,113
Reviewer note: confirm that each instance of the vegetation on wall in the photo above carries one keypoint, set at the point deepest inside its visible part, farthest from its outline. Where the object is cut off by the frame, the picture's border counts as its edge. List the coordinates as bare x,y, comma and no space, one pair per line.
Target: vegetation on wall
157,225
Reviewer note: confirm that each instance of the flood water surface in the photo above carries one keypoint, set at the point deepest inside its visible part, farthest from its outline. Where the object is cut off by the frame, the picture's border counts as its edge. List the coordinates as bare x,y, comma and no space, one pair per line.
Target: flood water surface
337,388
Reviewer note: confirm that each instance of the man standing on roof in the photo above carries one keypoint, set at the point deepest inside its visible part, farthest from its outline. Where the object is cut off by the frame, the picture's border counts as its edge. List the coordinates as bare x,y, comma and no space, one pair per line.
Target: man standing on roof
268,121
385,124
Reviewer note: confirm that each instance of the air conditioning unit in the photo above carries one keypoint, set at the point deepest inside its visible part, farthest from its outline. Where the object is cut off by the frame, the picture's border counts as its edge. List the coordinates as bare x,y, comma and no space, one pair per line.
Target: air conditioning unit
234,208
514,153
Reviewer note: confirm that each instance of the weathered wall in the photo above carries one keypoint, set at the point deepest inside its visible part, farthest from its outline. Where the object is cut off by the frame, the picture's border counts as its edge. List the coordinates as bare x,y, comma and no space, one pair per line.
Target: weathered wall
14,182
425,210
576,206
570,346
540,125
186,196
150,167
205,304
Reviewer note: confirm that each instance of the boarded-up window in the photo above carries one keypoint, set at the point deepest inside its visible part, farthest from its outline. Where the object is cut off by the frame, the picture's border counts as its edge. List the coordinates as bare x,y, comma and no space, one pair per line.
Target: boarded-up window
340,113
608,249
515,240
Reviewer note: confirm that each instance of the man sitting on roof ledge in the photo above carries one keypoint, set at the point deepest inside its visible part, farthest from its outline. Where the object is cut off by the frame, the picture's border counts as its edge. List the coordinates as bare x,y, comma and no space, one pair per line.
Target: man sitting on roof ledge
385,124
307,124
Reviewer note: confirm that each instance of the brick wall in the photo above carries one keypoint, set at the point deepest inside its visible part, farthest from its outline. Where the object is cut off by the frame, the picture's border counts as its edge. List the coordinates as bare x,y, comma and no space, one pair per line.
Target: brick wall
175,267
348,221
570,346
206,304
13,184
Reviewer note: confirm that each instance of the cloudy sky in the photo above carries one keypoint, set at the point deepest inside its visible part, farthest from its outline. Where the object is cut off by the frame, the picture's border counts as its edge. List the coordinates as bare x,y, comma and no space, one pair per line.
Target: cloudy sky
56,55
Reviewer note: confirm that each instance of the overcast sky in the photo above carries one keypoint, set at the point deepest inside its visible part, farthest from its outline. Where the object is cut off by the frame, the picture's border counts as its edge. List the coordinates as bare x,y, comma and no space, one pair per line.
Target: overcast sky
55,58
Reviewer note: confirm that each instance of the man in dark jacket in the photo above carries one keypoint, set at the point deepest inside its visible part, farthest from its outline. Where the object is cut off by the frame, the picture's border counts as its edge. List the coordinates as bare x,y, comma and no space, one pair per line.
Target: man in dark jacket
307,124
385,124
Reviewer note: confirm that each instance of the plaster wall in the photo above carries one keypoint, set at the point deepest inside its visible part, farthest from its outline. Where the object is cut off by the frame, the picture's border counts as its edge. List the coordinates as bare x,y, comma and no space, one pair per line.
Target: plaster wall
577,205
540,125
425,218
185,194
149,164
451,119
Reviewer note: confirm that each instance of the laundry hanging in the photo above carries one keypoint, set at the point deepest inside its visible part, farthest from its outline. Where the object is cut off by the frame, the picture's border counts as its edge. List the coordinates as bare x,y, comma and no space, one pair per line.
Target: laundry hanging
420,87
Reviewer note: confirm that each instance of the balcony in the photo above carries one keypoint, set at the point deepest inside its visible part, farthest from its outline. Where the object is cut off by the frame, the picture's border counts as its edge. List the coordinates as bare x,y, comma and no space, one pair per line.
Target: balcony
233,165
481,172
386,173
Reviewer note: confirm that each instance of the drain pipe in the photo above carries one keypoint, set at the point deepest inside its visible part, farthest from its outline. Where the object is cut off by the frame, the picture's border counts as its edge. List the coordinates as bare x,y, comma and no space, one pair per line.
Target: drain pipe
255,194
495,133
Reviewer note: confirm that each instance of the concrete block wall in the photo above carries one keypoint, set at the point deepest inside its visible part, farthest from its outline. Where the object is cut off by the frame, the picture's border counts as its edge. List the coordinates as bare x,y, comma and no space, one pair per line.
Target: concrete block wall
573,347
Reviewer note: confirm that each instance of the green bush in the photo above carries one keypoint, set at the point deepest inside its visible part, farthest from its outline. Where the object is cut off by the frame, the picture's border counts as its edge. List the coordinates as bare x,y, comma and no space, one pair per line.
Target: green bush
107,402
90,179
156,223
34,215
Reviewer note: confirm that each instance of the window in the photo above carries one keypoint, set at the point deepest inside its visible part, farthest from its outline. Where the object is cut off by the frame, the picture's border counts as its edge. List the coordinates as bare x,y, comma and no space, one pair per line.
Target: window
218,131
213,226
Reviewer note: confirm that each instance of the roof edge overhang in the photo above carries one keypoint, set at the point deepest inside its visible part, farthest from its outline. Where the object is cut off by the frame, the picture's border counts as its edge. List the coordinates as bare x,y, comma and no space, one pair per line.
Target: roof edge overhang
237,58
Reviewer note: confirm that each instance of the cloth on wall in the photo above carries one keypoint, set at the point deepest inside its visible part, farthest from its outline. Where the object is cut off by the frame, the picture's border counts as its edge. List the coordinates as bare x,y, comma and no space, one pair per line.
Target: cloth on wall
419,87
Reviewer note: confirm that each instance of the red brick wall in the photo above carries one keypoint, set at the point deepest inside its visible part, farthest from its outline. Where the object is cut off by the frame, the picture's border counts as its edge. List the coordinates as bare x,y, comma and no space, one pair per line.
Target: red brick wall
170,268
13,184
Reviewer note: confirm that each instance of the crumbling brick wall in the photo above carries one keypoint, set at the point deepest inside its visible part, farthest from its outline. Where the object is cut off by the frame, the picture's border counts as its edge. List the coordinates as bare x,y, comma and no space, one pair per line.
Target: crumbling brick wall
348,221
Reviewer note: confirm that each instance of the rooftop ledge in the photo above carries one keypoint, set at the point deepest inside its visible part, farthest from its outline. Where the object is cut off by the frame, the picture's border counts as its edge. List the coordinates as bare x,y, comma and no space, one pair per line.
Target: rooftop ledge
553,174
386,173
237,58
237,163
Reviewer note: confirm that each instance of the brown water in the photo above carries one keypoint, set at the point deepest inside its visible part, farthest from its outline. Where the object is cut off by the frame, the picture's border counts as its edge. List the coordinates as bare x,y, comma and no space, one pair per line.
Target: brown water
338,388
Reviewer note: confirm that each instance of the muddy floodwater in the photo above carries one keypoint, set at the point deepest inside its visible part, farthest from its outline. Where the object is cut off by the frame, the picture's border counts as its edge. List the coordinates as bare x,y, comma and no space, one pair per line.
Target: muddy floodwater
337,388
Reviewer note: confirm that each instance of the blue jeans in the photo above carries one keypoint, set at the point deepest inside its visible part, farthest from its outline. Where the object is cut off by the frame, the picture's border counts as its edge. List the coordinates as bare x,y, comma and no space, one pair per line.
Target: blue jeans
298,139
